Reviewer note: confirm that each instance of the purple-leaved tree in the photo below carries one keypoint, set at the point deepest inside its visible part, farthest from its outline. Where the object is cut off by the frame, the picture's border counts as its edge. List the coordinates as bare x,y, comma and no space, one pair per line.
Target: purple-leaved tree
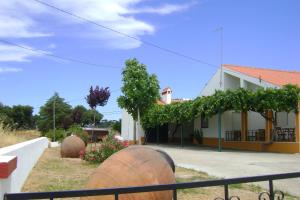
97,97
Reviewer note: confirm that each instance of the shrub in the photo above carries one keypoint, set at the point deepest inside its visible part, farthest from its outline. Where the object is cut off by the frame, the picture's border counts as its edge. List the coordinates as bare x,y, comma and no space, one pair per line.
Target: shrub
105,149
59,135
78,131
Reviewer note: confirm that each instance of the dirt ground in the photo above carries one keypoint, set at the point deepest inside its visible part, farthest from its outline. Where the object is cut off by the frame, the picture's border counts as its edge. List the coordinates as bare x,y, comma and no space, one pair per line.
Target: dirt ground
53,173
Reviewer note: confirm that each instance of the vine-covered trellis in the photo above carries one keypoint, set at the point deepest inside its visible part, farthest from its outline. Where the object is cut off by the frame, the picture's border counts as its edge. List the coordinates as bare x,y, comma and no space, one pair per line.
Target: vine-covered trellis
284,99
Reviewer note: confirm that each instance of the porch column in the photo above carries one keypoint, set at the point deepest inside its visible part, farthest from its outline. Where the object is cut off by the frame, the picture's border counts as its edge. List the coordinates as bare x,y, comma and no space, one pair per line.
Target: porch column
244,120
297,130
269,125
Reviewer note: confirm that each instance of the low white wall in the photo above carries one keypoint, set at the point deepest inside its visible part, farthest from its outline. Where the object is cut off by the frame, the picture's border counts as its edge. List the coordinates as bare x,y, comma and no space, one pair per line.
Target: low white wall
27,154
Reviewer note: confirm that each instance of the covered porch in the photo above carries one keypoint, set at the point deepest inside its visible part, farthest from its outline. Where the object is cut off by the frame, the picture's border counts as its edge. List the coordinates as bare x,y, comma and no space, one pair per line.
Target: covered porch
279,132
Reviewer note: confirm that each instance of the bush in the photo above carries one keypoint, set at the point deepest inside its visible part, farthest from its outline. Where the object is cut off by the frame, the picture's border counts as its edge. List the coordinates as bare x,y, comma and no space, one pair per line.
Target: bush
78,131
105,149
59,135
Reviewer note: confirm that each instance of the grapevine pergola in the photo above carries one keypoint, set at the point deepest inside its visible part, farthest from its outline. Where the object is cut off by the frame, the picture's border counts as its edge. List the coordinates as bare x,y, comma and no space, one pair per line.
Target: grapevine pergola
279,100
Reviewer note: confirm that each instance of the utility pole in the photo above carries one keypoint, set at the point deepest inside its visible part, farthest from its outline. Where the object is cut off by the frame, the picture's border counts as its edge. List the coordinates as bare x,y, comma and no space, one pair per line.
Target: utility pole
220,29
54,120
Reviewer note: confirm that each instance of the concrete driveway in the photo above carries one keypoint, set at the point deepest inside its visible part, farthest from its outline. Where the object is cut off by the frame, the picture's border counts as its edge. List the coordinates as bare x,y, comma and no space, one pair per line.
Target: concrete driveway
229,164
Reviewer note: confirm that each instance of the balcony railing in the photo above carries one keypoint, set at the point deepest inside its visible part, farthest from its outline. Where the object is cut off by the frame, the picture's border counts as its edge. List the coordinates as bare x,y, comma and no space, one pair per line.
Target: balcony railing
117,193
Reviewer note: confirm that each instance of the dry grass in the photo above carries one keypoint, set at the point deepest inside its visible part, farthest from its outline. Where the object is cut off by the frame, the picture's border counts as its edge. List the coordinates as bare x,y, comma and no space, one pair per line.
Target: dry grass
53,173
9,137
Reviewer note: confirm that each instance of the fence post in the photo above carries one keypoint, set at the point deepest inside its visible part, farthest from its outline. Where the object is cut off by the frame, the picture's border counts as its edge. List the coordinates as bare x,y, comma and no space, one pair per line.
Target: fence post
271,189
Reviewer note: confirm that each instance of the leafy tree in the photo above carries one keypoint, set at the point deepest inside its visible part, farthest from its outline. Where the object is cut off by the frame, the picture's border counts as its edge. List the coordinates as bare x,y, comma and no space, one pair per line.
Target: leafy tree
22,117
116,126
17,117
62,114
97,97
78,114
5,115
140,90
90,115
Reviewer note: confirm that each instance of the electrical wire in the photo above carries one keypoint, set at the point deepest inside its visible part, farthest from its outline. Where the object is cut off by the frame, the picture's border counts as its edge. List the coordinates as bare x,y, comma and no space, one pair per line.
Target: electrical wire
127,35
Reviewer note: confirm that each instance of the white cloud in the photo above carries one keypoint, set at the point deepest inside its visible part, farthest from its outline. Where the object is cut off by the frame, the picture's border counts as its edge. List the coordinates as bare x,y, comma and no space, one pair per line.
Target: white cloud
16,54
10,70
16,19
29,19
164,9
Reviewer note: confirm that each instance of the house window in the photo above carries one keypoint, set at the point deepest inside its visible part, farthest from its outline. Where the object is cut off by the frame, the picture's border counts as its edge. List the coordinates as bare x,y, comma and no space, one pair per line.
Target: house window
204,121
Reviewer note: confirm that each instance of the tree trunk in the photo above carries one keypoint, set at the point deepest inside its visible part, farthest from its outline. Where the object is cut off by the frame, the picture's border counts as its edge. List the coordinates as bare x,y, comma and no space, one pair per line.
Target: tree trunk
93,139
138,127
134,132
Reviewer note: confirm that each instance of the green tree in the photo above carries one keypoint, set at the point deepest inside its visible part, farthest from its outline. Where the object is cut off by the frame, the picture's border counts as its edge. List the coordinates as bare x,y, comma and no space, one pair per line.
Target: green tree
22,117
88,117
62,114
5,116
78,114
140,90
117,126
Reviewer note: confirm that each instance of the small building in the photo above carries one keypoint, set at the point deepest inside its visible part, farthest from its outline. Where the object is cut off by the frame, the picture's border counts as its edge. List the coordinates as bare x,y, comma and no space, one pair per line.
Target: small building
96,133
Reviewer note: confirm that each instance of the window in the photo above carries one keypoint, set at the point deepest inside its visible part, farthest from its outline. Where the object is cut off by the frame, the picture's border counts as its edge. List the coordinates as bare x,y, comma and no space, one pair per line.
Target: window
204,121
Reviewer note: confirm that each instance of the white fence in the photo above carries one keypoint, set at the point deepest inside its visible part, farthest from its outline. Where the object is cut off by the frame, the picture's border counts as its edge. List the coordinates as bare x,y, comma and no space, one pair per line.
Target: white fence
27,154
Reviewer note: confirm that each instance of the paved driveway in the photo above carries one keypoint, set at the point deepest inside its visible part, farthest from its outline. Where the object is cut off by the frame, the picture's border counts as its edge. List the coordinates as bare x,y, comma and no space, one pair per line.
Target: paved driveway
229,164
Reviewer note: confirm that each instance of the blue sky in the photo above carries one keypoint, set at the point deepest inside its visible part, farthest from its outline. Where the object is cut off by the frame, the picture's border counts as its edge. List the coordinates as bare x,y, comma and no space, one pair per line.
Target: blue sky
256,33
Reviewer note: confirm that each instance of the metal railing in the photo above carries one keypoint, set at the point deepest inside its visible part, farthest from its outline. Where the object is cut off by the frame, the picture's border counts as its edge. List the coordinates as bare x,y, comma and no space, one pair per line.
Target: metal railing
284,134
256,135
116,192
233,135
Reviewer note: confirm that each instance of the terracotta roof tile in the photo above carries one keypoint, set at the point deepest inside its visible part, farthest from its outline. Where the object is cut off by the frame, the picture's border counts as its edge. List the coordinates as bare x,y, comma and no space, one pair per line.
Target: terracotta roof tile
276,77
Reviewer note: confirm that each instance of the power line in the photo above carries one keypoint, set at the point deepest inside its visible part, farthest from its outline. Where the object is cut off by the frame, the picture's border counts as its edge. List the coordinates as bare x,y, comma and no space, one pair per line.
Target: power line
58,57
126,35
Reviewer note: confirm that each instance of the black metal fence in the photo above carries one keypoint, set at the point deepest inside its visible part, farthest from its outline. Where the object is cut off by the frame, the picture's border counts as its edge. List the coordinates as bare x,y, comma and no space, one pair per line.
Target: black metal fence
284,134
233,136
271,194
256,135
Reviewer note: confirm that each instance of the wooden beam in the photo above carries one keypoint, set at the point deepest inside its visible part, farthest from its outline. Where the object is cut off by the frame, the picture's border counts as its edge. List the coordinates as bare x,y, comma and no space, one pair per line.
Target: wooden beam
297,130
244,121
269,125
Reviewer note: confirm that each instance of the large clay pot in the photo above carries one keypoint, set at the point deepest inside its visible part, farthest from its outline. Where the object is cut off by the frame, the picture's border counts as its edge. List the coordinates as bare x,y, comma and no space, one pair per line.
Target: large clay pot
71,147
133,166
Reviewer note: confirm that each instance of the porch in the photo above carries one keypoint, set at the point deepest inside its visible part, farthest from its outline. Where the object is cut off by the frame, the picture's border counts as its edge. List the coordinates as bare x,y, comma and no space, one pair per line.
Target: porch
279,132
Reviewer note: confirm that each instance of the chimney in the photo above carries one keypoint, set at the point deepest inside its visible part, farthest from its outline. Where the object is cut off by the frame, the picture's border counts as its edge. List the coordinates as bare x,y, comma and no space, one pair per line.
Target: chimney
166,95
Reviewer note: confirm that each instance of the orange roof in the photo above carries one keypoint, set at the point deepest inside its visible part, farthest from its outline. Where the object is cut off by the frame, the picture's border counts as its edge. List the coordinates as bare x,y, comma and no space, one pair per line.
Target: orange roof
276,77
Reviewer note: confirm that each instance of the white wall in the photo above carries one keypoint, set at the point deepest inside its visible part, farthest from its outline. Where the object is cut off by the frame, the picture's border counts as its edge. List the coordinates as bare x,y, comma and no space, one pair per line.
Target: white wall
127,127
256,121
212,85
231,82
212,130
27,154
286,120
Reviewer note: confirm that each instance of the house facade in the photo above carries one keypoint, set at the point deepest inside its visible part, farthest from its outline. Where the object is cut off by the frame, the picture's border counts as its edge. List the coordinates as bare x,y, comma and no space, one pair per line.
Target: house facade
249,130
162,133
239,130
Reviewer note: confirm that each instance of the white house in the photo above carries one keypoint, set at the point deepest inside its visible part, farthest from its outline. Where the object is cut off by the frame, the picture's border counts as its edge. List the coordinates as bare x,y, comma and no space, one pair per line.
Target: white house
127,128
248,131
